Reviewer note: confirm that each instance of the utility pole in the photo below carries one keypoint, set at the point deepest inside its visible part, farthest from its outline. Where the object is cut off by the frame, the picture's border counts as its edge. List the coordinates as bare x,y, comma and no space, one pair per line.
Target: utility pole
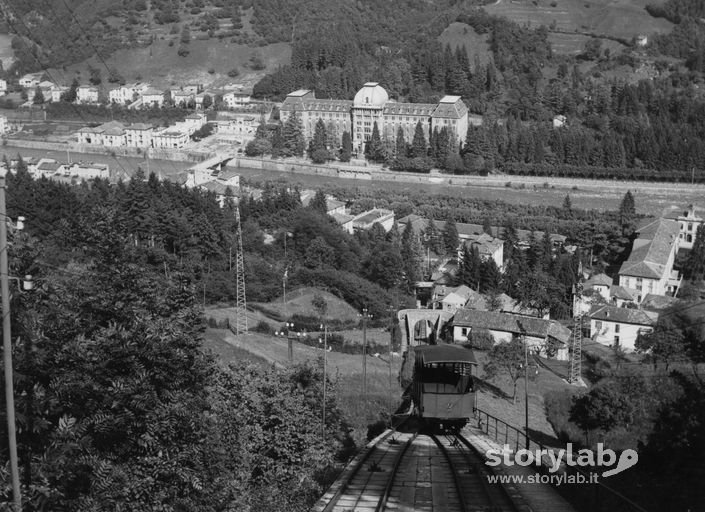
526,389
325,374
7,352
365,317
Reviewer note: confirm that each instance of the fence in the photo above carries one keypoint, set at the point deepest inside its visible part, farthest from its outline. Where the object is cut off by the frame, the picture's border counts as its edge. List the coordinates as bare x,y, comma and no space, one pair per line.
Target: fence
589,496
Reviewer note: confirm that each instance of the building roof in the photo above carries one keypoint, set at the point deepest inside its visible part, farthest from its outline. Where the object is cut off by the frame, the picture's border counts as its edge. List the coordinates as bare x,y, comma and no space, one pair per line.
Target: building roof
371,216
444,353
619,292
216,187
371,95
153,92
342,218
139,126
515,324
598,280
620,315
652,249
313,104
46,164
486,245
451,107
654,302
409,109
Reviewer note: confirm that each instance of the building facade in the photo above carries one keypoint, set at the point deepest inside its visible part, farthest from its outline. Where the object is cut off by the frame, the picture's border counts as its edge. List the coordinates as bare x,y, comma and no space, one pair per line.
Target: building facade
689,219
372,105
649,268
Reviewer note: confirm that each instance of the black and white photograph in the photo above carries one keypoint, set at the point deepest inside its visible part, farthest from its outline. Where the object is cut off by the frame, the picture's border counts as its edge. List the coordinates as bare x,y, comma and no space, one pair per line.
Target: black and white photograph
352,255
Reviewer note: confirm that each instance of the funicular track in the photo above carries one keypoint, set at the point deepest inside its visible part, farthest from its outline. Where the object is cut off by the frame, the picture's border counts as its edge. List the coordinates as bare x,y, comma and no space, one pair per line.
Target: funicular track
420,472
470,472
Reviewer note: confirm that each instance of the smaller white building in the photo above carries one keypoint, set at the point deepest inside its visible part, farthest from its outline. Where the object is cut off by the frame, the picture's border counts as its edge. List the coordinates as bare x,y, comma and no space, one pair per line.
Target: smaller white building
31,80
87,170
86,94
236,99
4,125
138,135
619,327
182,98
152,98
48,167
381,216
128,93
169,138
193,122
3,86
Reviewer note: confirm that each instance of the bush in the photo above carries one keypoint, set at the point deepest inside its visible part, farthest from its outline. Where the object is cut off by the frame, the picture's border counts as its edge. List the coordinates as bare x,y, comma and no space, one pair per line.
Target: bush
263,327
481,339
320,156
233,72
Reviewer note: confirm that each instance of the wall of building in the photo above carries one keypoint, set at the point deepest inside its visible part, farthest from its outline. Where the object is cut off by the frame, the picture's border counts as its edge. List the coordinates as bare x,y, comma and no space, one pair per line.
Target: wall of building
604,332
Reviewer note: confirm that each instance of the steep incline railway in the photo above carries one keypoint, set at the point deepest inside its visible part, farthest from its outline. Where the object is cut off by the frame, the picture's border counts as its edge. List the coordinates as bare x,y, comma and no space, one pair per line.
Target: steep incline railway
418,472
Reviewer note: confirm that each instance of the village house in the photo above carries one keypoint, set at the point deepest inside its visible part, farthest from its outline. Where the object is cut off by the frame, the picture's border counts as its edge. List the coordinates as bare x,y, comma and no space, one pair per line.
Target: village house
182,98
48,167
649,268
236,126
192,88
4,125
169,138
152,98
618,327
139,135
86,170
3,86
86,94
193,122
487,246
57,92
128,93
31,80
236,99
381,216
546,338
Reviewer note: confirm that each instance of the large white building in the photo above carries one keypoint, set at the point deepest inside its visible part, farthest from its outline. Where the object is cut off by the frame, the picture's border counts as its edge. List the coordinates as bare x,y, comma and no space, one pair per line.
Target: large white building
372,104
649,268
126,94
86,94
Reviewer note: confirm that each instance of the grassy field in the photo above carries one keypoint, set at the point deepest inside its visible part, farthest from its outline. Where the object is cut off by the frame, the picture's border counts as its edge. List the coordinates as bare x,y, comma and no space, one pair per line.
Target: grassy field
616,18
462,34
300,302
160,65
345,370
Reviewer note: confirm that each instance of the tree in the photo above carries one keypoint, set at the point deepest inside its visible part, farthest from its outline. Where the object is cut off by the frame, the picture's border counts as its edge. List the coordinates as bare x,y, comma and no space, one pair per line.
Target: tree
487,226
70,95
451,240
374,148
627,214
401,148
418,145
666,343
432,237
185,35
319,304
319,202
568,206
411,255
207,101
293,136
604,407
506,359
695,269
346,149
539,291
38,96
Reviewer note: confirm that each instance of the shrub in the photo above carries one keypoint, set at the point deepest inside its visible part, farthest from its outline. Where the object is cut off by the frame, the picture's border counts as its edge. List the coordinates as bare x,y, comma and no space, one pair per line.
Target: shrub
320,156
233,72
481,339
263,327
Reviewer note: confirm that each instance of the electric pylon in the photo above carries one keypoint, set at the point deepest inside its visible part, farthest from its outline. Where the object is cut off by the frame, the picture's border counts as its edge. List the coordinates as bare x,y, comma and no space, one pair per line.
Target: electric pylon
241,306
577,359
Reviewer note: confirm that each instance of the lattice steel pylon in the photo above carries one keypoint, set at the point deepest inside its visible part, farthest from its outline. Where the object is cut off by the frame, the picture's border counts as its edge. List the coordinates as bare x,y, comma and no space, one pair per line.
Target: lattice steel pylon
577,359
241,305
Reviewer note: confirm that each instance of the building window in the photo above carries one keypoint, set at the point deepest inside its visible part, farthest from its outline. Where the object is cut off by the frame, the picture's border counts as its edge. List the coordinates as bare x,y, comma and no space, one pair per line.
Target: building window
690,238
616,341
598,325
690,226
464,331
616,328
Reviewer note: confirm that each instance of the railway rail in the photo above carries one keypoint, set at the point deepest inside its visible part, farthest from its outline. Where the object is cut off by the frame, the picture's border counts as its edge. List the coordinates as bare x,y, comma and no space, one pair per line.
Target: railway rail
419,472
